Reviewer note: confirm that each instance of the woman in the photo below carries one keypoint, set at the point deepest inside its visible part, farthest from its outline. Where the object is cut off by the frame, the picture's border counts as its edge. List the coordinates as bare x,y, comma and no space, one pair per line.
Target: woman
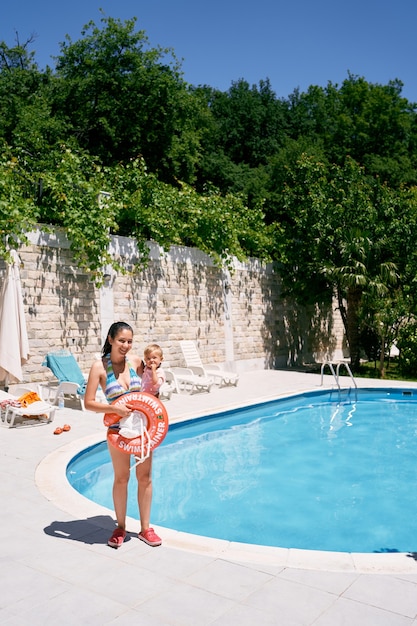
116,374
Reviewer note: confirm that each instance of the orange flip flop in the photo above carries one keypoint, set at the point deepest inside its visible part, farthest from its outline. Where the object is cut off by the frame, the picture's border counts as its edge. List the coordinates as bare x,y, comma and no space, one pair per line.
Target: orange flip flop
65,428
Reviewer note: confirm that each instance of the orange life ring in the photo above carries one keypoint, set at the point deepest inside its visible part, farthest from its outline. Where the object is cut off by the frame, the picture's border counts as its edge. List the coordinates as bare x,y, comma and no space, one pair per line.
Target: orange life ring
150,408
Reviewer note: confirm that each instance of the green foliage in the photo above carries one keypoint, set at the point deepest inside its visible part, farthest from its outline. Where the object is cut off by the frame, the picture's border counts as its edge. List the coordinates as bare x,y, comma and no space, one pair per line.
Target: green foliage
17,57
370,123
248,123
370,370
18,212
72,199
27,120
332,240
219,225
246,128
407,345
121,98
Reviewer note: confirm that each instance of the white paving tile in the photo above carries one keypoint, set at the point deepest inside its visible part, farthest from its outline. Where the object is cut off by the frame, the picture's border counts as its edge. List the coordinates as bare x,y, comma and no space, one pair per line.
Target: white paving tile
241,615
348,613
24,589
333,582
185,605
137,618
291,601
58,554
230,580
175,564
75,606
389,593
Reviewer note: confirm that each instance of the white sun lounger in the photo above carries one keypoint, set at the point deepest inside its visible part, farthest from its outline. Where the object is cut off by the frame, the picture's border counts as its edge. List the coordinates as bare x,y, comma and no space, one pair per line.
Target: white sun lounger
187,380
192,359
35,414
168,387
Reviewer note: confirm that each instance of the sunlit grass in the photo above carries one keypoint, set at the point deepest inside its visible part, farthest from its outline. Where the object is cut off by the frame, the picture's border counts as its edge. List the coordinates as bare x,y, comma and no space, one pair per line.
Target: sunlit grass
368,369
371,370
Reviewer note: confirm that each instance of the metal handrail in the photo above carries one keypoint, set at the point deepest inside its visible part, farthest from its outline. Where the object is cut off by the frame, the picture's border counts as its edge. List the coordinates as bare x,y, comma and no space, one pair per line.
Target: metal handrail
323,365
349,371
337,372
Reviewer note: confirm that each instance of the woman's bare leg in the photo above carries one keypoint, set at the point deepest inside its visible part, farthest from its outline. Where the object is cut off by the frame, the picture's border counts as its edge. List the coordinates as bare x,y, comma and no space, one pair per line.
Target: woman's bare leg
121,468
144,477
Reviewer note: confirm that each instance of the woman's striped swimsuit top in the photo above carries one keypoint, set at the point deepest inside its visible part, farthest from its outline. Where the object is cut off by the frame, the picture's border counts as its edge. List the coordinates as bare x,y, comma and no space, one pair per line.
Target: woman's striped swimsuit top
113,388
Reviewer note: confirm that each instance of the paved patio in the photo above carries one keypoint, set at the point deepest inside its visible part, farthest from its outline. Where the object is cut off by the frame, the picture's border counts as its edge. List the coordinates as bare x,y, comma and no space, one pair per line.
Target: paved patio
57,568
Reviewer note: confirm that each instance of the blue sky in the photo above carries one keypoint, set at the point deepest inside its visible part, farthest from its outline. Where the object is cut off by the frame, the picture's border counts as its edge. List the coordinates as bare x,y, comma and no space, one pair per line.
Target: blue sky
295,44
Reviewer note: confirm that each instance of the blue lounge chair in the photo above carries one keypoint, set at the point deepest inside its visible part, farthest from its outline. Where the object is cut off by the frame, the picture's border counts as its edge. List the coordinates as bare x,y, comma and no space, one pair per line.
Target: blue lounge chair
71,380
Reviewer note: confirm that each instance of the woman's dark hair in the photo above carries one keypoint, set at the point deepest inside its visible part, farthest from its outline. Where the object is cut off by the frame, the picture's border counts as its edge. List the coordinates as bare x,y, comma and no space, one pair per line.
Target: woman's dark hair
114,330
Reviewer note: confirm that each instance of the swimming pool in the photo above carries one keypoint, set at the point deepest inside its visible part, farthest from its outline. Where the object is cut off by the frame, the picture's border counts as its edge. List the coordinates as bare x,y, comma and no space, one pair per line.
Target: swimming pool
320,471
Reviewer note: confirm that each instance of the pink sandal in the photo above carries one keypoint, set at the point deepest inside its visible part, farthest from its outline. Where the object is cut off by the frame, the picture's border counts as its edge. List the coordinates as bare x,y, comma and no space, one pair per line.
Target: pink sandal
150,537
117,538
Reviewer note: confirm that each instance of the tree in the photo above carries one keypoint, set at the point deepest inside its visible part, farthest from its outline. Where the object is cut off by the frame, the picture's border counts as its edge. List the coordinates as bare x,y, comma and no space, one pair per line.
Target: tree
391,315
17,57
330,242
370,123
124,99
246,127
250,123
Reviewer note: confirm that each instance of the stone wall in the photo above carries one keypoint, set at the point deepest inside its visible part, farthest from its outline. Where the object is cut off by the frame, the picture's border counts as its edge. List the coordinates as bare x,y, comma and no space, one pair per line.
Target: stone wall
237,318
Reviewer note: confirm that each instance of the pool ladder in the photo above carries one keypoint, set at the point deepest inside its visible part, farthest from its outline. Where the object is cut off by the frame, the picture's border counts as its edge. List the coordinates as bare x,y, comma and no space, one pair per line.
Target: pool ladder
336,372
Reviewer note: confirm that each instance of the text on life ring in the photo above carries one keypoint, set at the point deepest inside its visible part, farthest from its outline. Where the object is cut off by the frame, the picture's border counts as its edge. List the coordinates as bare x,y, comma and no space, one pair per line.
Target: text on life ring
151,409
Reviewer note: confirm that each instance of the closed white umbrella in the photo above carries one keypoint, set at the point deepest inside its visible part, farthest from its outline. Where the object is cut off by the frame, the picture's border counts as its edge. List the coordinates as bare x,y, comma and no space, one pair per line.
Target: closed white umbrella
14,343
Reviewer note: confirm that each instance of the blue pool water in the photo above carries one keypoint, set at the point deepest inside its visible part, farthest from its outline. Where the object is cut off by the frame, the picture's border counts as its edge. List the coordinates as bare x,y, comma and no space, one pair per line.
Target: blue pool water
320,471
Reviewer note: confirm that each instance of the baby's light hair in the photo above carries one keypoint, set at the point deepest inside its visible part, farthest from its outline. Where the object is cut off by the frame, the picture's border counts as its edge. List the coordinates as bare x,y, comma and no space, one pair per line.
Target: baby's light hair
153,347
